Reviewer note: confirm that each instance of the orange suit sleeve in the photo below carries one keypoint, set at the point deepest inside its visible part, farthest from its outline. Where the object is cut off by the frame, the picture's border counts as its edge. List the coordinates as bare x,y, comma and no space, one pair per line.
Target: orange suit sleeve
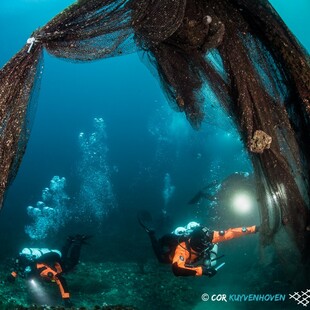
232,233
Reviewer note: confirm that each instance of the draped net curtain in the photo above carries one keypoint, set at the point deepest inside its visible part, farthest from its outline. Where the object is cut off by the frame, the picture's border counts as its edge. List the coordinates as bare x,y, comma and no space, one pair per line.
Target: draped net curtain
264,85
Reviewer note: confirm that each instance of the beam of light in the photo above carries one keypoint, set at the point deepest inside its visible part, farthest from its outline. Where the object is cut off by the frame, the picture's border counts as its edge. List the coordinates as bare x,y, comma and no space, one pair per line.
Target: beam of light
33,283
242,203
38,292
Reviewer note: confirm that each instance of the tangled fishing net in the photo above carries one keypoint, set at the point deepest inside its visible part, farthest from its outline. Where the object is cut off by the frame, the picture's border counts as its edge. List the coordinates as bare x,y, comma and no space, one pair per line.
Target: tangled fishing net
262,82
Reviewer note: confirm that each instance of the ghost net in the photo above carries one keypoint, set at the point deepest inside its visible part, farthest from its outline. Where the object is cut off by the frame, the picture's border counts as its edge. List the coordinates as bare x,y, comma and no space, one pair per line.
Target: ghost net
263,84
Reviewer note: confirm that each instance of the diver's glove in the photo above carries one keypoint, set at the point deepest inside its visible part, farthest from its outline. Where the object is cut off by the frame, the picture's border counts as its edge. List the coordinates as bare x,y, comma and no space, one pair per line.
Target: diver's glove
209,272
257,229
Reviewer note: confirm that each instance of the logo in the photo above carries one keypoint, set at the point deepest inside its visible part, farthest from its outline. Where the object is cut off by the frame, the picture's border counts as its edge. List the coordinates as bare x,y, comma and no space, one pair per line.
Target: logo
204,297
302,298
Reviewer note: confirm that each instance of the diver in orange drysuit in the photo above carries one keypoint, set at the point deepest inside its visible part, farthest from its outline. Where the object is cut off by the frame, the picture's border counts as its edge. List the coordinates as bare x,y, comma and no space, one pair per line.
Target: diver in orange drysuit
192,250
191,254
49,265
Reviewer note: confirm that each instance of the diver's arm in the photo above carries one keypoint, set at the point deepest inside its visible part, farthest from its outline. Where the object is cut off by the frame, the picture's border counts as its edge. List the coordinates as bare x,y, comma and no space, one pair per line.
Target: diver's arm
232,233
179,266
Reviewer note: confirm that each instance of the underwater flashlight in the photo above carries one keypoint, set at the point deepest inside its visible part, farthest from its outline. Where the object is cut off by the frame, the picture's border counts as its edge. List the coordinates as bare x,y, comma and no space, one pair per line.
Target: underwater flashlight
33,283
242,203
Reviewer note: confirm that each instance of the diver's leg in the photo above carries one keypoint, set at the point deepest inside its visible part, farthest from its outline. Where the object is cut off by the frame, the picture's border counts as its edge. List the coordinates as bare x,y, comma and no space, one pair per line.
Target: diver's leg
146,222
157,247
66,247
72,251
65,251
75,252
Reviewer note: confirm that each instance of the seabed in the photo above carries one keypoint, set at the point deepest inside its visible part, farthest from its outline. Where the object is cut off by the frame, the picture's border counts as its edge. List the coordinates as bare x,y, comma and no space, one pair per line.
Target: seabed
148,285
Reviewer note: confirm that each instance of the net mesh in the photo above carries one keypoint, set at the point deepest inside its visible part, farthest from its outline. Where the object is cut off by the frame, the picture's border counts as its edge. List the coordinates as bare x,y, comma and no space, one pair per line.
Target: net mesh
262,83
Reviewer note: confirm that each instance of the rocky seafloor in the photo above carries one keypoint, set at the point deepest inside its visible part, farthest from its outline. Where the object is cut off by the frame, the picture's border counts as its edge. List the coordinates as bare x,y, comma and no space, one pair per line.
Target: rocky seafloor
151,286
105,286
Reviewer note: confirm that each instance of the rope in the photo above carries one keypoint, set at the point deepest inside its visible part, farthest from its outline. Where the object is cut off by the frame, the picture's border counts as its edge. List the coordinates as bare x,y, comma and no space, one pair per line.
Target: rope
31,41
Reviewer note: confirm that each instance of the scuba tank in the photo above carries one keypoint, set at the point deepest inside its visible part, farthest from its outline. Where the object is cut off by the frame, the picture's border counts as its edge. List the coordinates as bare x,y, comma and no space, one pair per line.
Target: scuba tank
211,260
36,253
187,230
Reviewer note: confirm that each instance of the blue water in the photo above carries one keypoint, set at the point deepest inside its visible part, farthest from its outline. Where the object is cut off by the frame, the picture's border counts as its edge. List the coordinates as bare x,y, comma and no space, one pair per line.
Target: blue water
145,138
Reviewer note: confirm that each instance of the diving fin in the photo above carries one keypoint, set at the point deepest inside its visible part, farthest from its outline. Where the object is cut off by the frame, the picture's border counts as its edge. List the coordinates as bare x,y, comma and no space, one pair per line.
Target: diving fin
78,238
145,220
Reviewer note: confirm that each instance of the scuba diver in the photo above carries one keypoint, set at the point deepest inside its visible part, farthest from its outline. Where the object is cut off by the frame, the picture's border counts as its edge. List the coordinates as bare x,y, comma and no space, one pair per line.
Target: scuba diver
49,265
191,250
